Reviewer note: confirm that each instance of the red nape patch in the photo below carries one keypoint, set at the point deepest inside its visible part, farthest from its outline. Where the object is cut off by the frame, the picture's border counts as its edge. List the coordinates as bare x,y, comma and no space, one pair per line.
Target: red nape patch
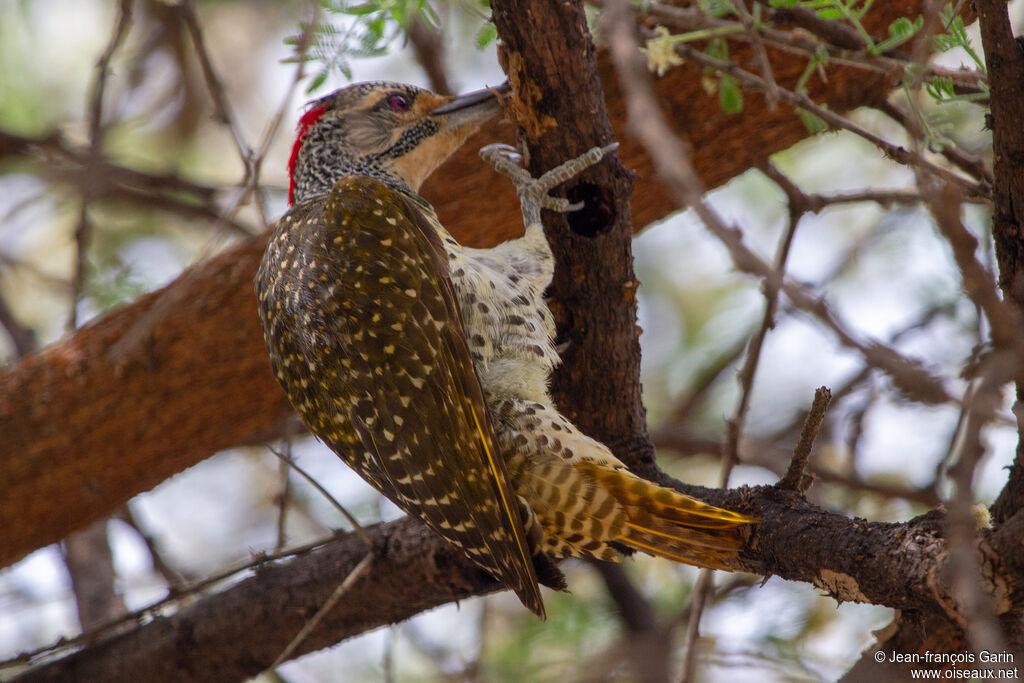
305,123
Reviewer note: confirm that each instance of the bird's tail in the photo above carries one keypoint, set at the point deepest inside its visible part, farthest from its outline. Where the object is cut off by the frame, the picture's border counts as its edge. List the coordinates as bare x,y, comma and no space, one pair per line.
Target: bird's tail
582,501
666,523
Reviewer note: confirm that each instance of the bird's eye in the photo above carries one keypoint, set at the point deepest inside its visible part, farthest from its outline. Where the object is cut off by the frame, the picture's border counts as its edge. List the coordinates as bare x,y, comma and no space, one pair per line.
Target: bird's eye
398,103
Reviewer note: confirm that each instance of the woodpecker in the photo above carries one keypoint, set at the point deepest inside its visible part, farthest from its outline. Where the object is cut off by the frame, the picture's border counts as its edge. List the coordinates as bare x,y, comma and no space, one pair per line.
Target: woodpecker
425,364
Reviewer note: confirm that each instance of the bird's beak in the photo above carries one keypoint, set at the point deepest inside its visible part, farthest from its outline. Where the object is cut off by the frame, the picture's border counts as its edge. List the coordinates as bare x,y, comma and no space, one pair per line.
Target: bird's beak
474,107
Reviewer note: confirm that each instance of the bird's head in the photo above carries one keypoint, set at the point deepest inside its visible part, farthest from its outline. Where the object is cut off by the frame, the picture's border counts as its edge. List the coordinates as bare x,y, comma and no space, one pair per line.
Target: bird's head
394,132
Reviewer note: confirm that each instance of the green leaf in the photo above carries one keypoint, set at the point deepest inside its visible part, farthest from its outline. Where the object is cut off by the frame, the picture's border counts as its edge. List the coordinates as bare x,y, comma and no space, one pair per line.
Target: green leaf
360,10
317,81
900,31
940,88
905,28
730,97
429,16
485,36
717,49
945,43
812,123
716,8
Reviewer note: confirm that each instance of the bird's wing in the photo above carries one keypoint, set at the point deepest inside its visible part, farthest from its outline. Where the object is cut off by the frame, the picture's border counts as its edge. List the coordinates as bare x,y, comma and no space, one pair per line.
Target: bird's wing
411,392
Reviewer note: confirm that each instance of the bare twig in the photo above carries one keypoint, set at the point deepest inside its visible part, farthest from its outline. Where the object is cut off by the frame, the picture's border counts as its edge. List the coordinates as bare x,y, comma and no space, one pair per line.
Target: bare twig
647,122
706,379
249,186
428,46
634,609
90,564
63,162
771,456
314,621
978,281
274,127
802,202
83,231
22,336
388,663
966,578
86,553
175,578
173,598
700,594
326,494
284,497
794,477
353,576
753,358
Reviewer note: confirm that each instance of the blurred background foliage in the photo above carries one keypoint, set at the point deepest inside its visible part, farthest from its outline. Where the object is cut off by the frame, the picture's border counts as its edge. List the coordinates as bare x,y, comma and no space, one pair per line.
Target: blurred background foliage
885,269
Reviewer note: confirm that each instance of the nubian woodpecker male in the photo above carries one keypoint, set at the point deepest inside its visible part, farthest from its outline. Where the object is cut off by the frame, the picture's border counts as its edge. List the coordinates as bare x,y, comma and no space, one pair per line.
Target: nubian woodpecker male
425,364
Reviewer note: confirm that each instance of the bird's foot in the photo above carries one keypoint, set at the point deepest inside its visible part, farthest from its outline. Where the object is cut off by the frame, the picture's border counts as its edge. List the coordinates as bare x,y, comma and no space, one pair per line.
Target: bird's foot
533,192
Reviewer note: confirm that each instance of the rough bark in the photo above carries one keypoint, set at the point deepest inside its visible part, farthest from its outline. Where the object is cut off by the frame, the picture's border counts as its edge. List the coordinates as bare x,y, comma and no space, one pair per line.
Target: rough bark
232,634
238,632
554,73
1005,60
157,386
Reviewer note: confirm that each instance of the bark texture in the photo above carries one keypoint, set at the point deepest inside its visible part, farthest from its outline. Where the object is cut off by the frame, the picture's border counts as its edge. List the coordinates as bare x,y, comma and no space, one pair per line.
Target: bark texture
1005,59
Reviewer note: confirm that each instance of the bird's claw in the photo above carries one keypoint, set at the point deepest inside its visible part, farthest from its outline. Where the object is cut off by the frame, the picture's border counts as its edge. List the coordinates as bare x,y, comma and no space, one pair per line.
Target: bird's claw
500,150
533,192
560,204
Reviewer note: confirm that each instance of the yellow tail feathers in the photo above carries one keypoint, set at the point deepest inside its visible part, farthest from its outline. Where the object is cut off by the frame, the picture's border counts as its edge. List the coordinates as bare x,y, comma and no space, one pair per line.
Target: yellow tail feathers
668,524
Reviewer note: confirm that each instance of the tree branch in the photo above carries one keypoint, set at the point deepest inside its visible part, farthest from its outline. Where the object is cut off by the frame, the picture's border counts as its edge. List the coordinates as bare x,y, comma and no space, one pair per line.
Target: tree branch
235,633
